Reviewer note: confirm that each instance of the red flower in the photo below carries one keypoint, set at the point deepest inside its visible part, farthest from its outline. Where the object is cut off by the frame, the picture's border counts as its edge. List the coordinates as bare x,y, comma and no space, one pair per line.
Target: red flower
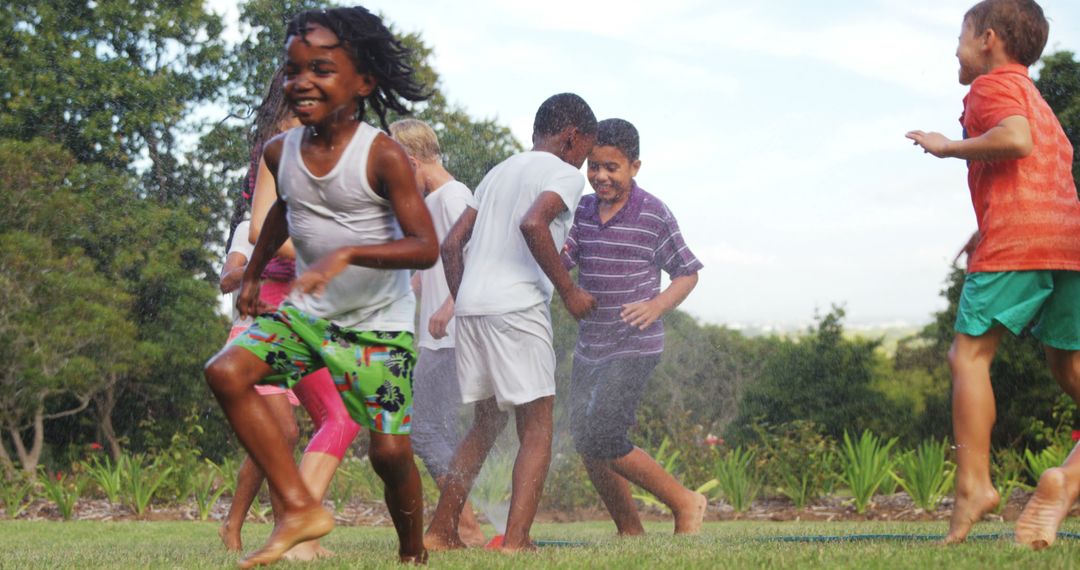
95,446
1076,435
59,476
713,441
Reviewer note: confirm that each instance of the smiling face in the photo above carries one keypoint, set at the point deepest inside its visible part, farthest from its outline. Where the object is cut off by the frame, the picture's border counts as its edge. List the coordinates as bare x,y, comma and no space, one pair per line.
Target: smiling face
611,174
322,84
970,52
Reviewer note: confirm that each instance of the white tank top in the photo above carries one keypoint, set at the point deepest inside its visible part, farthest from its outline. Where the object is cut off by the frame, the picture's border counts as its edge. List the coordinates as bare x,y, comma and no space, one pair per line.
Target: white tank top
340,209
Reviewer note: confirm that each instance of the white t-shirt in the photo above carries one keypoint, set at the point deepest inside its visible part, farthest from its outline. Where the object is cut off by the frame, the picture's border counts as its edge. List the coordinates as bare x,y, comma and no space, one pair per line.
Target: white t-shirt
341,209
241,245
446,205
501,275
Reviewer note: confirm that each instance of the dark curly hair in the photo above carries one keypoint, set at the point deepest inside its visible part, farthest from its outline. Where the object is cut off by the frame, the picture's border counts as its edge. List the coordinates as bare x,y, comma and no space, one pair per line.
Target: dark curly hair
620,134
375,51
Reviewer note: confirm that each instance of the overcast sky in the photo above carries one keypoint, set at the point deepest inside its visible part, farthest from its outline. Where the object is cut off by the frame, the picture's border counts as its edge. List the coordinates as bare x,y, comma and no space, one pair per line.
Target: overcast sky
774,130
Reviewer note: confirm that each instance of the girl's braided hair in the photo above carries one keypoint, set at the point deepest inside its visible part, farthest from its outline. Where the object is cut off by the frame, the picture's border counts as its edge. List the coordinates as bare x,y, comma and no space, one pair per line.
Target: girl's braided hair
375,51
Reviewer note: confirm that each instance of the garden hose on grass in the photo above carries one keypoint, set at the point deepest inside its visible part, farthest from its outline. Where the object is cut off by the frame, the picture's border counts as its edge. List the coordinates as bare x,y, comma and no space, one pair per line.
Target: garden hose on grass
897,537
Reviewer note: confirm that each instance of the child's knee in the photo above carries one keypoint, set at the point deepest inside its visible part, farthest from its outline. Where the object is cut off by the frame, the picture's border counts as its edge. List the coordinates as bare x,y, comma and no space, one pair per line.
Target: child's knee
390,455
222,375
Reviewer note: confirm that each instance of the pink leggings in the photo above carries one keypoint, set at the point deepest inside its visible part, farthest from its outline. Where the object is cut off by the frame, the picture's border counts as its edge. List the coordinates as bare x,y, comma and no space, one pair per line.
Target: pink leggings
334,428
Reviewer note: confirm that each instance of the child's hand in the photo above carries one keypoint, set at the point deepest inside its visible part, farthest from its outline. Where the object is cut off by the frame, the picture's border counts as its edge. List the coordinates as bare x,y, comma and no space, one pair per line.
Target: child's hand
314,280
248,303
579,302
641,315
439,320
936,144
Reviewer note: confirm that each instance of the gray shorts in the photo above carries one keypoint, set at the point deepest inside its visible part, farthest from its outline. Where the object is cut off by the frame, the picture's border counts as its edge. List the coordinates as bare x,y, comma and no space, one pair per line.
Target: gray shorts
603,404
436,425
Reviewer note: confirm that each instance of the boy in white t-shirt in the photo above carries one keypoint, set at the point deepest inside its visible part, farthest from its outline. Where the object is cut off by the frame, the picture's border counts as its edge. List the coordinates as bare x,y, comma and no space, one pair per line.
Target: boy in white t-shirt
515,228
435,424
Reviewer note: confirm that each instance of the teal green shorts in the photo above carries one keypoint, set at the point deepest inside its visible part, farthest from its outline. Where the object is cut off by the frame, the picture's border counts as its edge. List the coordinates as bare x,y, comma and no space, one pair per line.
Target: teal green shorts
372,370
1016,298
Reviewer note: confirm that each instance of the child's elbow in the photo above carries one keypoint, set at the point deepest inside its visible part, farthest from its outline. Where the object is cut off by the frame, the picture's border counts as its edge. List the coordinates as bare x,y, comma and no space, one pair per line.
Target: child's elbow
1023,147
428,256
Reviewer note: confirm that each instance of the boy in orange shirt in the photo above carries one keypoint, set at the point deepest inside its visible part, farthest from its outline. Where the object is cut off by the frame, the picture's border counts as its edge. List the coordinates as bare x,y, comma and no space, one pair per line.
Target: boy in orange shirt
1026,267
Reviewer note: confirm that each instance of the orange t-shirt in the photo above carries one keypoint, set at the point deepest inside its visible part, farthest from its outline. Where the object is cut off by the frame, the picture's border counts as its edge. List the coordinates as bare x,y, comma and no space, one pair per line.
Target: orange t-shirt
1027,209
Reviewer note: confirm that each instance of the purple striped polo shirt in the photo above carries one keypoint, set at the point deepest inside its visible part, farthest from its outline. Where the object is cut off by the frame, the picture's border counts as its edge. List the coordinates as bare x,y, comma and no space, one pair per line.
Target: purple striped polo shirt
619,262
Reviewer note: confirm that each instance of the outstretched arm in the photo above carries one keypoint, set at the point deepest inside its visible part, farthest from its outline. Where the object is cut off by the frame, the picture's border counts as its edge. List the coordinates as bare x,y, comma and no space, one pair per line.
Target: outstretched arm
418,248
1008,140
453,249
536,227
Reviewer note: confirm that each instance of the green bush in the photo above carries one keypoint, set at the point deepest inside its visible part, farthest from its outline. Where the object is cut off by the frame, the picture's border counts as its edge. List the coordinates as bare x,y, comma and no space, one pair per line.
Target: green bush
62,490
737,479
17,493
142,480
799,461
925,474
108,475
866,464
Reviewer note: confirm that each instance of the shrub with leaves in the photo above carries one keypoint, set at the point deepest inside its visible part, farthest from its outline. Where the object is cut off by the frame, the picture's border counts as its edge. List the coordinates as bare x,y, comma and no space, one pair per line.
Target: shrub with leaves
142,481
865,465
799,461
207,488
1008,474
925,474
1052,456
17,493
62,490
737,478
108,475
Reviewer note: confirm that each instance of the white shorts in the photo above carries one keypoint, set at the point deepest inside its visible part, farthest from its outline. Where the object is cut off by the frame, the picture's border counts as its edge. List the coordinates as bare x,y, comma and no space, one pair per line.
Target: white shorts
507,356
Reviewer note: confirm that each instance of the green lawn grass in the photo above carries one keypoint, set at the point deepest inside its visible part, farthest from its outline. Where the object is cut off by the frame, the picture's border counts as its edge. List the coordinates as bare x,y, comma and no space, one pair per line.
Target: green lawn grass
90,544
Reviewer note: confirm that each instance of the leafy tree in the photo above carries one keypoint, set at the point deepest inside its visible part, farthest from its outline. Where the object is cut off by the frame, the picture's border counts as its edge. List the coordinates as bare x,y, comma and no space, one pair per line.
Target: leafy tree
470,147
821,377
1059,83
58,318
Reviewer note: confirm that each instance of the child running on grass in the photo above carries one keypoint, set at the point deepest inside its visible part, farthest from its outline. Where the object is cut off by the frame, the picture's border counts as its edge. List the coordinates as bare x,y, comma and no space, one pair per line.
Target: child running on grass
348,200
334,429
502,287
436,394
621,239
1026,264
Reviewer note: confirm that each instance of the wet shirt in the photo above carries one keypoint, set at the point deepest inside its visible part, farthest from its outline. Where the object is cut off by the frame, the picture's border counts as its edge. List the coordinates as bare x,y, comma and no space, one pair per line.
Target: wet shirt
1027,209
501,276
619,263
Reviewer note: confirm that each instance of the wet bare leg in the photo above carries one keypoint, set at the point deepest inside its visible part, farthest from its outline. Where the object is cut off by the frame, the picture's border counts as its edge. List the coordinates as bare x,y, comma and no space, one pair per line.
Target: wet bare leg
317,470
688,507
232,375
392,458
488,422
615,493
468,527
534,426
1059,487
249,478
973,417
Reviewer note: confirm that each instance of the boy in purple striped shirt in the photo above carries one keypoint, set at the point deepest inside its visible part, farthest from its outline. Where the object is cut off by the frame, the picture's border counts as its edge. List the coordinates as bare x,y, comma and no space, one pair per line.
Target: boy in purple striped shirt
621,239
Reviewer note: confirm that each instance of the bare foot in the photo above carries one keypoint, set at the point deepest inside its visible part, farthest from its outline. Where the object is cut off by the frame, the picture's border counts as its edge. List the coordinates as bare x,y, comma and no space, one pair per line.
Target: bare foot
688,518
290,530
472,536
307,551
417,559
968,510
437,541
1038,524
230,538
529,546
